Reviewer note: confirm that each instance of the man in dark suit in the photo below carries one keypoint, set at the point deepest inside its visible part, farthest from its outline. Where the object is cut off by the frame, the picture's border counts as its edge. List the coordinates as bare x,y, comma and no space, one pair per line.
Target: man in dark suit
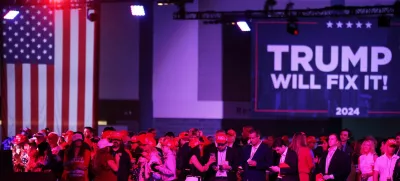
347,148
345,145
257,158
287,165
227,161
334,165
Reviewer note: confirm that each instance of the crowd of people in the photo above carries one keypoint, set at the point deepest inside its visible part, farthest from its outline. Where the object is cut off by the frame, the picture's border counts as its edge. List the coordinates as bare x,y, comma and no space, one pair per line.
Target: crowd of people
192,156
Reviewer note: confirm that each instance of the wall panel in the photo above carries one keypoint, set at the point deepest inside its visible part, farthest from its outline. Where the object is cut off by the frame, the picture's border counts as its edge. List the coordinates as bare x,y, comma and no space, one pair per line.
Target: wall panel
119,53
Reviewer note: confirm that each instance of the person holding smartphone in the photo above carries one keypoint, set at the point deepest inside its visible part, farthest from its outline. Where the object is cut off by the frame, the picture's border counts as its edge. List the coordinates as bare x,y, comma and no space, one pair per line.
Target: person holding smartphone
227,161
257,158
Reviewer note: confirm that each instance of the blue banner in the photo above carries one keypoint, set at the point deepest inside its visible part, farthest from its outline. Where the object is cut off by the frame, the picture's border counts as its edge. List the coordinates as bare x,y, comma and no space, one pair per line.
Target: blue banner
334,67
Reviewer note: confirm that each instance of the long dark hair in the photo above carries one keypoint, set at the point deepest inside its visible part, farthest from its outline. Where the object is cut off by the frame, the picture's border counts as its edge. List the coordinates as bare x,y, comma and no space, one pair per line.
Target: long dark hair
71,149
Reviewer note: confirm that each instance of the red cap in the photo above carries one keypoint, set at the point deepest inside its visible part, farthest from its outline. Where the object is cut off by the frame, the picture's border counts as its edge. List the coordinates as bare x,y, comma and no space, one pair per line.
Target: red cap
147,140
231,132
106,134
220,138
124,133
52,136
19,138
183,135
115,135
124,136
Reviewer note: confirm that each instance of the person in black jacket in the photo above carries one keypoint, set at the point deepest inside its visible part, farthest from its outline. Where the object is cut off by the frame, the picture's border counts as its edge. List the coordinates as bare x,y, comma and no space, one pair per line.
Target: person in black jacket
396,171
257,158
183,156
287,165
224,169
335,165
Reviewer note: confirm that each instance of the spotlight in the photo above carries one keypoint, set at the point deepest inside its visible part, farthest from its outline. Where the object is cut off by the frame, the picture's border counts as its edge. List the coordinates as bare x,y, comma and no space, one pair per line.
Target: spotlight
162,4
292,26
137,10
10,15
243,26
383,21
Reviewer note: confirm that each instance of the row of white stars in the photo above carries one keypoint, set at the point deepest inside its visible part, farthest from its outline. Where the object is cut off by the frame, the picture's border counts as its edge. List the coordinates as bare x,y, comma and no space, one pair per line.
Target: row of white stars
16,45
349,24
28,57
29,23
32,51
27,34
22,17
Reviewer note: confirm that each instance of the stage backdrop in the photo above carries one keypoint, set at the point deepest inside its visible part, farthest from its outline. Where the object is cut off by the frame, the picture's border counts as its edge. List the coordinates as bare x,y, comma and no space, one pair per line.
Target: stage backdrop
337,67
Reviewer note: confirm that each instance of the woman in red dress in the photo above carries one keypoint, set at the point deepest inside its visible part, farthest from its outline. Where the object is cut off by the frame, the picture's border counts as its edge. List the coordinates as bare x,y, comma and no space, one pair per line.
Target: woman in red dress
305,159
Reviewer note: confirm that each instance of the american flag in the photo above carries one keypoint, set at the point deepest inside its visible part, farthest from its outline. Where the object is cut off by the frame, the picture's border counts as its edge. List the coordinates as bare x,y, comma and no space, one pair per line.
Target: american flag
49,70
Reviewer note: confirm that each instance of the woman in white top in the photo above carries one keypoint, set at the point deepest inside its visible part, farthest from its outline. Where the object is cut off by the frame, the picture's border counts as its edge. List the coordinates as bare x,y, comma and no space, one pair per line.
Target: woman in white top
367,160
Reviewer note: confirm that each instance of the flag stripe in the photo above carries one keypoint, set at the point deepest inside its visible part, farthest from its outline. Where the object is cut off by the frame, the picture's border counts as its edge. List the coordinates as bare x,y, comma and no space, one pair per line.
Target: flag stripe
89,76
26,95
18,97
34,106
73,80
42,97
58,69
50,101
64,96
11,99
82,70
4,98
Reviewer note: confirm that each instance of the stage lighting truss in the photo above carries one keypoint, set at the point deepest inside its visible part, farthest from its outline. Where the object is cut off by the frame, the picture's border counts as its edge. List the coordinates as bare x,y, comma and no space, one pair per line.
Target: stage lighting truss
260,14
56,4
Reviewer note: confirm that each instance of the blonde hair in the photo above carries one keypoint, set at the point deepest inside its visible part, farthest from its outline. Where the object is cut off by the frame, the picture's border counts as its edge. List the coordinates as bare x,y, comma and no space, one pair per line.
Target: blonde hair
372,149
299,140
